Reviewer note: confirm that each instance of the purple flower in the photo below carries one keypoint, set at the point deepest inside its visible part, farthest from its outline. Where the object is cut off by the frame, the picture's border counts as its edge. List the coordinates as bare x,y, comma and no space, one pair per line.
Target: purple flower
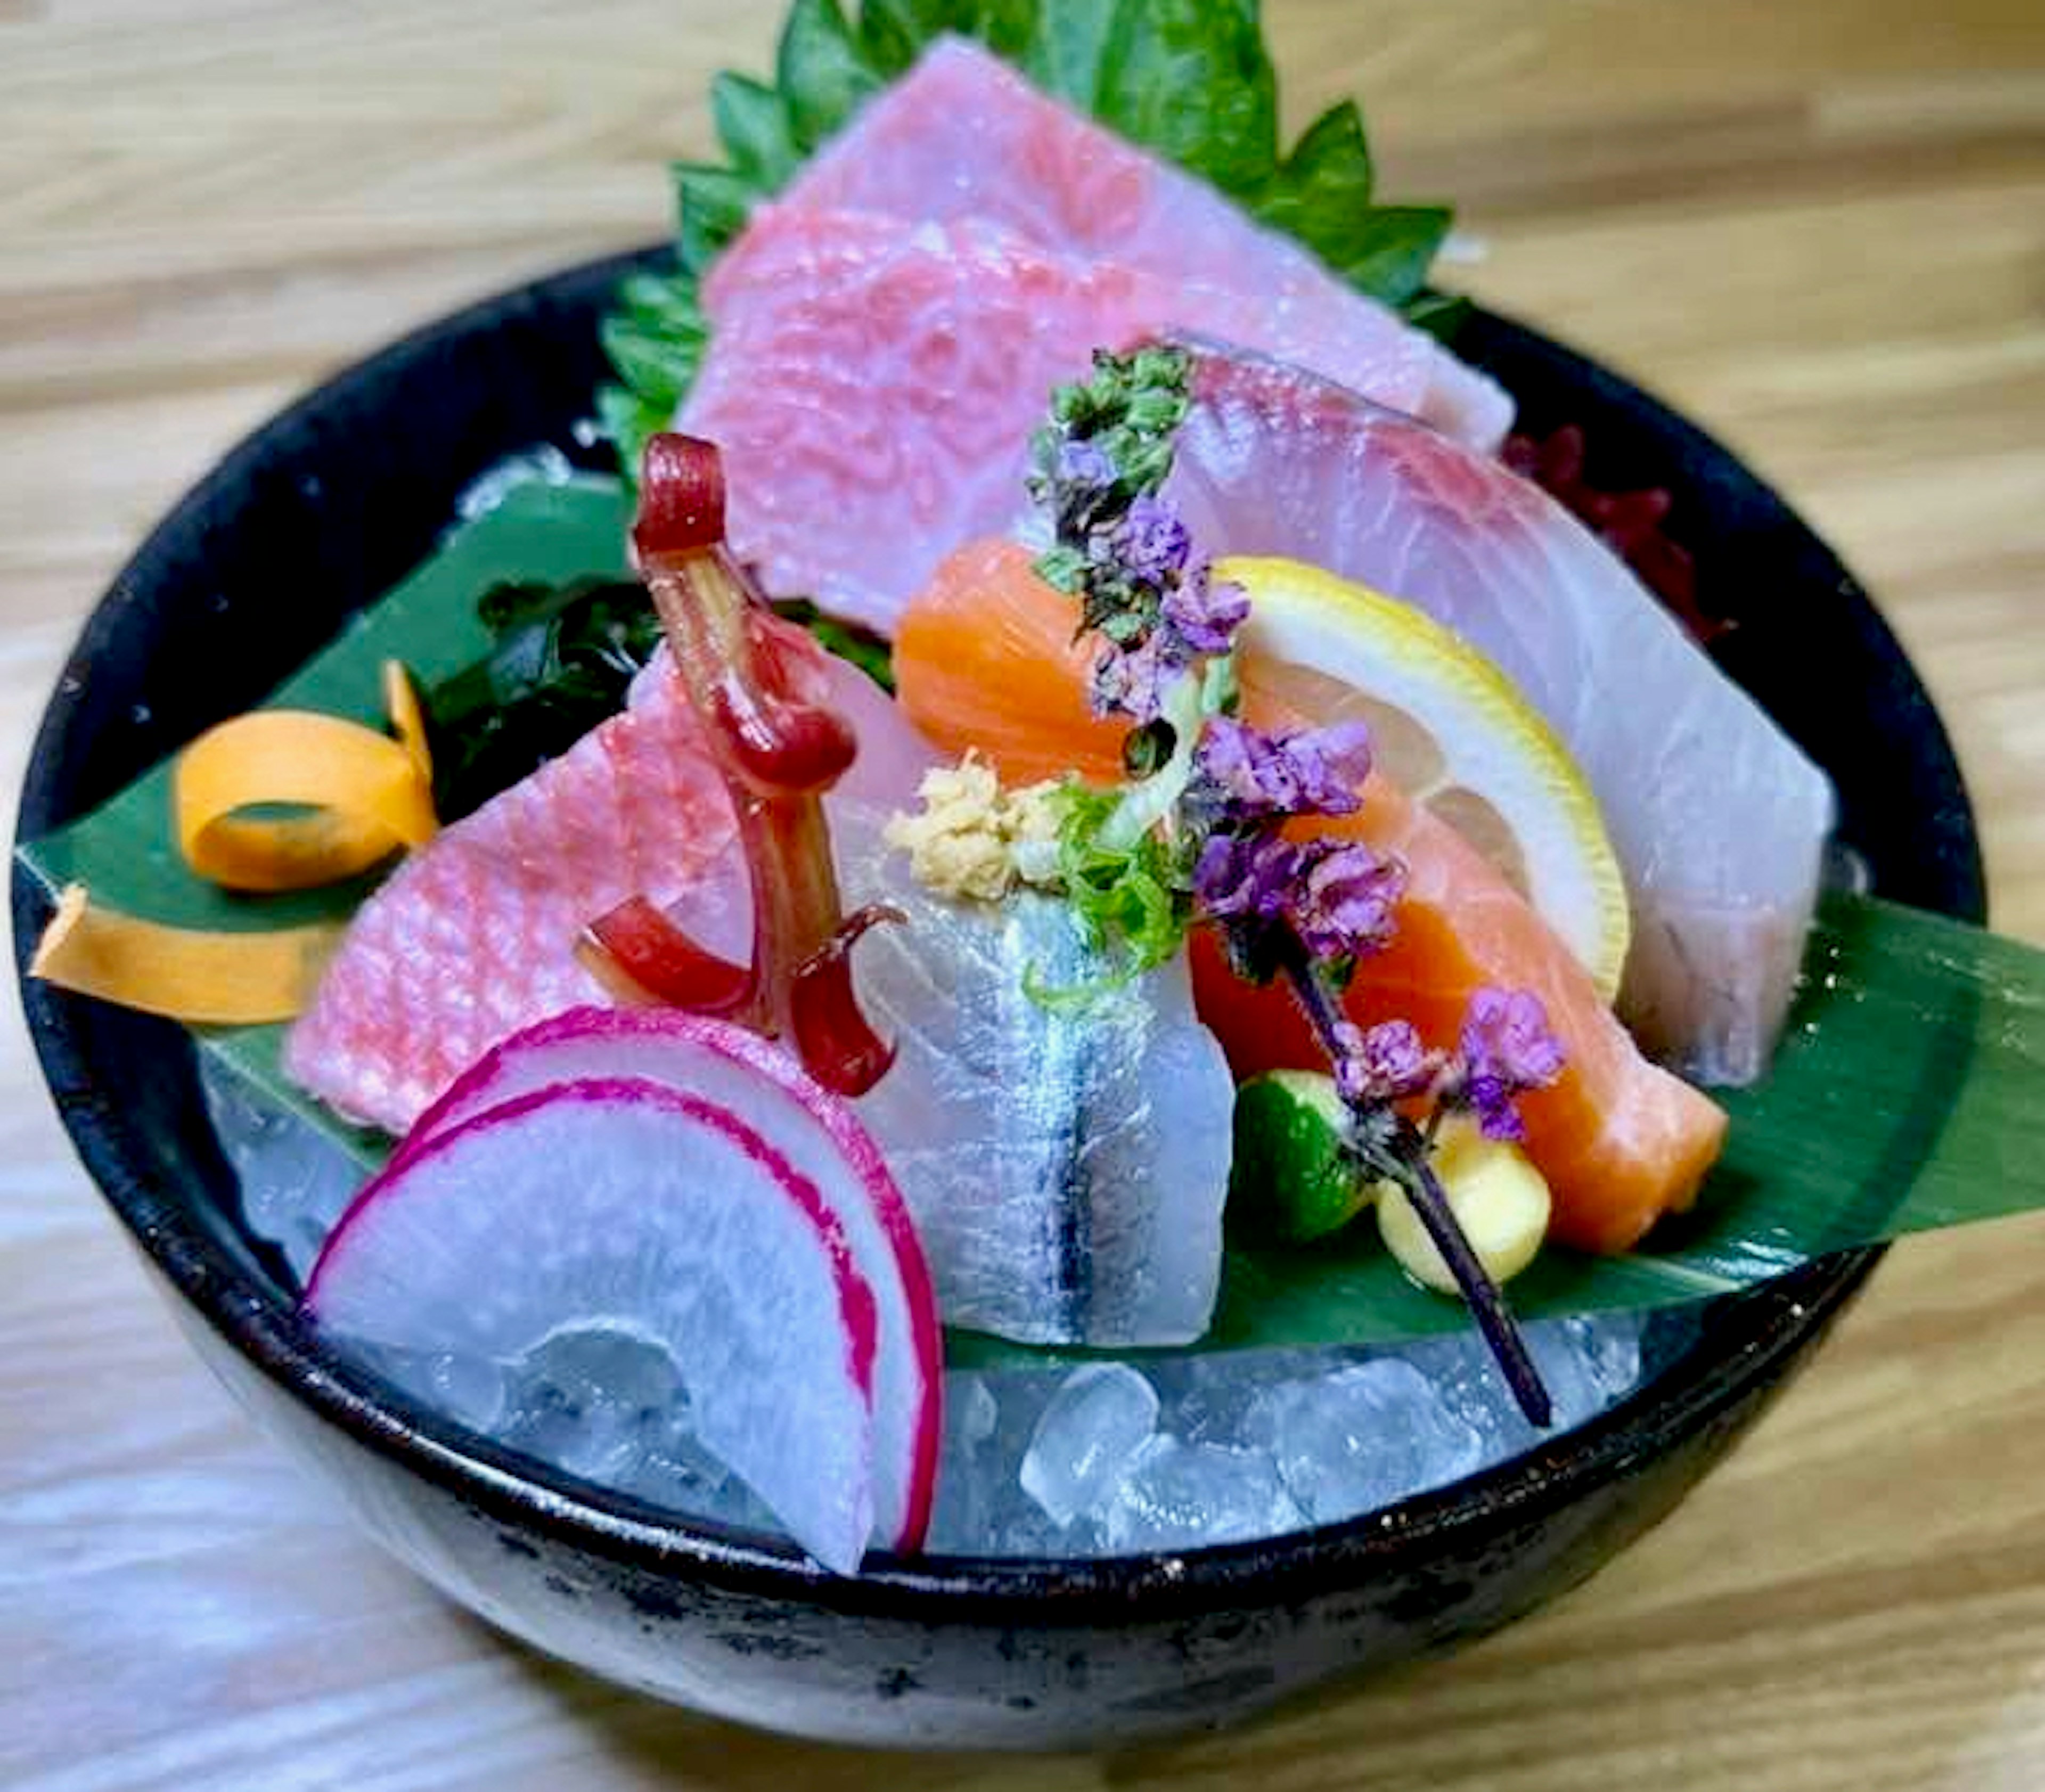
1387,1063
1251,775
1331,764
1131,681
1246,875
1151,543
1203,615
1343,907
1085,465
1506,1048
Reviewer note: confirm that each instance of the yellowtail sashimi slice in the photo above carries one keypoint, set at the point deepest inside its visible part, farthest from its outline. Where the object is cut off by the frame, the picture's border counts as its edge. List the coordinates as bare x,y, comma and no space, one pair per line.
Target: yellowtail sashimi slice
821,1139
619,1204
1719,820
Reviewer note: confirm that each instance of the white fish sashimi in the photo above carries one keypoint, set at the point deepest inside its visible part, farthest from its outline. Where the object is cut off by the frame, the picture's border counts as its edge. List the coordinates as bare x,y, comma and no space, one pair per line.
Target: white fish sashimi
1718,819
1066,1164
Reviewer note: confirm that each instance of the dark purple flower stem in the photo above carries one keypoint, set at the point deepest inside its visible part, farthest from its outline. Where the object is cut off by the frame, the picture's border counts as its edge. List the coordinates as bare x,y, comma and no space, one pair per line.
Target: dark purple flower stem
1486,1299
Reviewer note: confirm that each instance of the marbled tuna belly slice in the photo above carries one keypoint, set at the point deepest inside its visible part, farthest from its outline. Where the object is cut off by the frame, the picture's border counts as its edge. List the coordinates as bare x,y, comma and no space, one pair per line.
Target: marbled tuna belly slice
1718,819
962,135
873,384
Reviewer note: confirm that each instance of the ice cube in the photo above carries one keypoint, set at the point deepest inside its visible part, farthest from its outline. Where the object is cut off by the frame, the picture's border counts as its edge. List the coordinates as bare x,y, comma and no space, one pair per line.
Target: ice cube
296,1182
1094,1423
470,1391
1366,1435
966,1466
1176,1495
1587,1363
594,1401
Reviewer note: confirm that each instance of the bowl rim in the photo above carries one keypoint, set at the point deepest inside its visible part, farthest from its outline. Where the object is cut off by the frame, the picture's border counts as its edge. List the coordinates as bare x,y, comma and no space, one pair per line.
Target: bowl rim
1754,1331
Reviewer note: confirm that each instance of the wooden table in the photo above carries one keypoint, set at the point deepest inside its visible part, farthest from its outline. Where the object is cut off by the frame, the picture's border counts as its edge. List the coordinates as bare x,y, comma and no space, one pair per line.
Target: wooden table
1819,225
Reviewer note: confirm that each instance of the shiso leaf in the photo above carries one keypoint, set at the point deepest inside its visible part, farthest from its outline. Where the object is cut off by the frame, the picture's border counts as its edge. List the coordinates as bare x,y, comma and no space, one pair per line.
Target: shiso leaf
752,125
1192,80
712,205
825,75
1324,186
1905,1095
1392,259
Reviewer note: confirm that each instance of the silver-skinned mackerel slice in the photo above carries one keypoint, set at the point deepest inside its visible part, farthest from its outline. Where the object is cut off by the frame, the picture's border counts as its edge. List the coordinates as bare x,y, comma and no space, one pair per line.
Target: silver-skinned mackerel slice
1719,820
1066,1162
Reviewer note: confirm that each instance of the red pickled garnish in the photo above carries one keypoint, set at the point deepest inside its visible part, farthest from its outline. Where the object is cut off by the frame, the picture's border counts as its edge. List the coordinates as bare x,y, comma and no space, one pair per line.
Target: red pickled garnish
681,498
666,964
1628,523
824,1011
780,747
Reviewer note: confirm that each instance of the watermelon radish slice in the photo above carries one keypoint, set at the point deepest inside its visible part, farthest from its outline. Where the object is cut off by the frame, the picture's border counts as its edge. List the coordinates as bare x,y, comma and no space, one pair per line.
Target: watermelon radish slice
620,1202
822,1138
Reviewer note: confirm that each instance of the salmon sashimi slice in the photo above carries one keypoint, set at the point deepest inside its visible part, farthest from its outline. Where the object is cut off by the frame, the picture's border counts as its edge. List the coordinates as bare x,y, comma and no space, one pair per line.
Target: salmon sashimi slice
986,659
1718,819
873,383
962,135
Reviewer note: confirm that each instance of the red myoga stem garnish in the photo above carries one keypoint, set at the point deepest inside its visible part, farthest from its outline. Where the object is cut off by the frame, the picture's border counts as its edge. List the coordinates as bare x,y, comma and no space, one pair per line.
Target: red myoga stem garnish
830,1030
663,964
779,751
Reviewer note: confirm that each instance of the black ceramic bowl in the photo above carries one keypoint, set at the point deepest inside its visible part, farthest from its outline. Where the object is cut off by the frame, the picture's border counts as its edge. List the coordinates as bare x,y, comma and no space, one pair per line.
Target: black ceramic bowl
322,511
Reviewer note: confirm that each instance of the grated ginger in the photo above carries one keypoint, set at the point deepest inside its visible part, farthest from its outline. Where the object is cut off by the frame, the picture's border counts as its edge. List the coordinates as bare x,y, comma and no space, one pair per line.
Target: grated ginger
963,842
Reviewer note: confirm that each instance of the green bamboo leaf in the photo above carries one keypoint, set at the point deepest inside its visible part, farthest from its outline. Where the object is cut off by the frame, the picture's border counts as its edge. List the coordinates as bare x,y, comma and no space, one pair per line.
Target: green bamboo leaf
126,853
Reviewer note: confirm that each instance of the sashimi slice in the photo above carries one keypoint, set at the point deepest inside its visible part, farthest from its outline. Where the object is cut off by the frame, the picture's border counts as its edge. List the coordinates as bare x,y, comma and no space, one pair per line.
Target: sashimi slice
677,1223
873,384
821,1139
1067,1161
1720,821
986,659
962,135
474,937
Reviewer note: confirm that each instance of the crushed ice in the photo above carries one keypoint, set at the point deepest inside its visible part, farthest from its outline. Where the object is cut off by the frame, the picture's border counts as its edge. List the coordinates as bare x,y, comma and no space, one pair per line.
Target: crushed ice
1105,1458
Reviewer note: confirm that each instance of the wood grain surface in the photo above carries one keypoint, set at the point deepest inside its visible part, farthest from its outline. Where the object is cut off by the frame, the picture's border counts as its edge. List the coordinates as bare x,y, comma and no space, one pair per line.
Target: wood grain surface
1819,225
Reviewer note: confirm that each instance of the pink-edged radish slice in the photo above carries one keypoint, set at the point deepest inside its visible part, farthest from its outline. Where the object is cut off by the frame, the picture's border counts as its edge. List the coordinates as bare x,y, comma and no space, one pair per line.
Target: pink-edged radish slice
621,1202
822,1137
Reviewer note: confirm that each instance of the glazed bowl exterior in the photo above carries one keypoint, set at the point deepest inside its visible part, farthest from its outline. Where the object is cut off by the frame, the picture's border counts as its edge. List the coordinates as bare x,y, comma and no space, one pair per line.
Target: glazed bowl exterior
327,506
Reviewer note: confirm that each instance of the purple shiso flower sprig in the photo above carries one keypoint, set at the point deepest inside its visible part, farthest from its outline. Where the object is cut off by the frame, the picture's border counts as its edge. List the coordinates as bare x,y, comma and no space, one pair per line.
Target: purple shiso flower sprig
1306,908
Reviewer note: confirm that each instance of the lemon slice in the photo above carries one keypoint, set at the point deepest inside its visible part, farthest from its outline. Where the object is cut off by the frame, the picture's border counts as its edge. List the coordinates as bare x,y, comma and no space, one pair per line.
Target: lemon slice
1451,731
